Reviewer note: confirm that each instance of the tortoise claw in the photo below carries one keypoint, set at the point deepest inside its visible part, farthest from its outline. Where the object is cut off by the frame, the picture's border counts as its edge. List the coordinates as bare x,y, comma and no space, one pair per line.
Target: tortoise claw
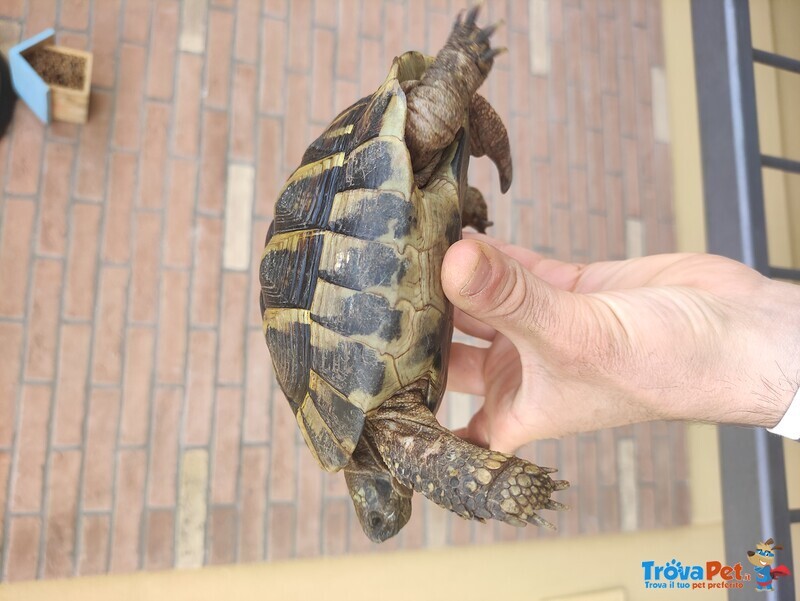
560,484
487,32
472,14
540,521
555,505
491,53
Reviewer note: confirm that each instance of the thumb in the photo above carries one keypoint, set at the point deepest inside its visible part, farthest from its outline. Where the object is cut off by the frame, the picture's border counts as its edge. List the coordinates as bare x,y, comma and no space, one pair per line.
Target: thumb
494,288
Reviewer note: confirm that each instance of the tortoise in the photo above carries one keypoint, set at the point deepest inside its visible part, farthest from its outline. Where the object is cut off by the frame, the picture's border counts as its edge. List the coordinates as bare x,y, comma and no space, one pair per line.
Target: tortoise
354,315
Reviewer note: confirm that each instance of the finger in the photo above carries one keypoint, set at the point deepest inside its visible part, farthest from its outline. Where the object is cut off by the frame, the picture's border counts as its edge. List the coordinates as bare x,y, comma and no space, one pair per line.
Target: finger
473,327
466,369
498,291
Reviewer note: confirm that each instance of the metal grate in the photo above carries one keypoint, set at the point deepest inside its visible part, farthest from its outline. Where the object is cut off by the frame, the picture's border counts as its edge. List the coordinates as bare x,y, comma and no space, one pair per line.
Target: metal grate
754,497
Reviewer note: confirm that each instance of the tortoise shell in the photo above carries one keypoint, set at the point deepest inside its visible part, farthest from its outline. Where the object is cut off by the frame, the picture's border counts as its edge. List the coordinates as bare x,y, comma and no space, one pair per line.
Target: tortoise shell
351,298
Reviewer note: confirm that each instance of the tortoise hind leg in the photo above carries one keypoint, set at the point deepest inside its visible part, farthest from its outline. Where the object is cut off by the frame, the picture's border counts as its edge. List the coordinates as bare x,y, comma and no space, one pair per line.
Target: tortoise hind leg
488,136
473,482
475,213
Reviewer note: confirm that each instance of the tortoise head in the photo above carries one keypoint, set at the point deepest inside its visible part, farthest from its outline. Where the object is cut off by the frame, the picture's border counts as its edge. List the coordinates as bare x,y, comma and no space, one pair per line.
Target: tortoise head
382,504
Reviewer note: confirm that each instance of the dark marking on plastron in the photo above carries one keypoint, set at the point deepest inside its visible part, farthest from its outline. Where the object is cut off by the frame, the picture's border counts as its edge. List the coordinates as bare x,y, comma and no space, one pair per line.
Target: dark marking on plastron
363,314
270,232
289,276
345,420
359,268
291,355
306,203
375,215
350,366
369,166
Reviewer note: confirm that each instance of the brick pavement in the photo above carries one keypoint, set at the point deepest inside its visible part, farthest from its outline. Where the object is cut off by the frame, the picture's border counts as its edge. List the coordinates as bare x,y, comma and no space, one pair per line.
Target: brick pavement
140,426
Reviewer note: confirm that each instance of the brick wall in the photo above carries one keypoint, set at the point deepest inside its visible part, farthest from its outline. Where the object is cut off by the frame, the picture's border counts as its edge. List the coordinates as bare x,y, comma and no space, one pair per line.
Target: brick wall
140,426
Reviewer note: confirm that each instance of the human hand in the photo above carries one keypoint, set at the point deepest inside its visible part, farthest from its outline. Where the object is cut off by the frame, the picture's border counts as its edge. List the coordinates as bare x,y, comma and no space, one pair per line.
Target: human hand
581,347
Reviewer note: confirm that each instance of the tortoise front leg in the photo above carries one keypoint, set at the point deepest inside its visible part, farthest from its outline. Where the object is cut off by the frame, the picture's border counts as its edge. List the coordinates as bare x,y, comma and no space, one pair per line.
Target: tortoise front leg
473,482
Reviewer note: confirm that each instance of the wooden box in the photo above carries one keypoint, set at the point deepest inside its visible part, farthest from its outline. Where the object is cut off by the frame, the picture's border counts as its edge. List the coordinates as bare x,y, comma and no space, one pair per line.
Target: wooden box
51,101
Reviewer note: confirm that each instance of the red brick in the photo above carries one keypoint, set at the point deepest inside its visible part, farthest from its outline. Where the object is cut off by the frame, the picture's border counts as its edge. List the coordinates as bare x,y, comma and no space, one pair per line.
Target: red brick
662,464
172,330
346,94
144,267
74,14
393,29
335,486
334,536
243,124
322,76
70,397
269,175
587,476
537,123
273,77
662,174
32,444
26,152
179,221
136,21
164,446
255,465
206,283
153,162
43,319
296,136
609,502
14,9
247,21
110,325
186,129
129,103
220,44
259,382
608,56
5,473
105,38
98,476
559,160
630,177
326,13
373,69
656,34
91,171
683,504
439,24
235,288
79,293
94,545
128,510
611,134
139,355
11,343
283,472
277,8
163,46
159,552
579,213
222,536
54,198
524,222
542,193
299,32
595,171
280,532
520,80
41,14
641,65
117,230
561,234
200,387
347,41
308,530
558,82
15,252
224,3
227,435
214,162
416,31
23,548
372,19
60,534
576,127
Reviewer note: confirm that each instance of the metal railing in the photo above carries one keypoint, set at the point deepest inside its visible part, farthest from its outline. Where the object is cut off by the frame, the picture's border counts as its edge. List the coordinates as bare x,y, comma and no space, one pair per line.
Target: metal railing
754,496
